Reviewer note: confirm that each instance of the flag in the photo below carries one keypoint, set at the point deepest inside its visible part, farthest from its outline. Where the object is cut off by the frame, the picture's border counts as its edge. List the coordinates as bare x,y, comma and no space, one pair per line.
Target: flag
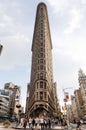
66,95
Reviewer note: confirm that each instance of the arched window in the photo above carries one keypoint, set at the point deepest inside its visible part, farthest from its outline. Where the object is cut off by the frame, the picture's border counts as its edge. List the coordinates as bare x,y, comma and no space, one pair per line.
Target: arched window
41,84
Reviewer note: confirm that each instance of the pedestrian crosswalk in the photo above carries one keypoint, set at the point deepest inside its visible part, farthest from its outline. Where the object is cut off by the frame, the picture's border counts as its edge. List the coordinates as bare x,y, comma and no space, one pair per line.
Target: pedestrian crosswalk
58,127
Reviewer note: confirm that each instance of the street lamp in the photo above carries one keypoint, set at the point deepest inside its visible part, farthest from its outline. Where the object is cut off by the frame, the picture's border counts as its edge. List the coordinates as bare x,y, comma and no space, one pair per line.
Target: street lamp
18,106
66,94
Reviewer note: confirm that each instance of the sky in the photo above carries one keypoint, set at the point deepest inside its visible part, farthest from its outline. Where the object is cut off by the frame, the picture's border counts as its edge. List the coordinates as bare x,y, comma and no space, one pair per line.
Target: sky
67,20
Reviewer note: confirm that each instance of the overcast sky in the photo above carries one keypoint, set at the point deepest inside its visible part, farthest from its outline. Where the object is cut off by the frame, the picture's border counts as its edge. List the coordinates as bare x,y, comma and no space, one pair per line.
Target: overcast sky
67,19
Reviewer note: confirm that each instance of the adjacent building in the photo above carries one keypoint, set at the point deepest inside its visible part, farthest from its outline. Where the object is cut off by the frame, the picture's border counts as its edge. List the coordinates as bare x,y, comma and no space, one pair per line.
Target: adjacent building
9,98
74,108
41,92
78,99
4,102
82,84
14,97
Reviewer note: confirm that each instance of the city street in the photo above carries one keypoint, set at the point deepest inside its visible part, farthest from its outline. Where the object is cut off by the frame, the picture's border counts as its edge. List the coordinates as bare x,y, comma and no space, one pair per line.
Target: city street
71,127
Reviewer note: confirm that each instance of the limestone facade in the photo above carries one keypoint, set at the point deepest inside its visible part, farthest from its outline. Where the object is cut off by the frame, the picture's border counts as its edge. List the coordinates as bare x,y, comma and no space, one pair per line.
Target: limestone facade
41,95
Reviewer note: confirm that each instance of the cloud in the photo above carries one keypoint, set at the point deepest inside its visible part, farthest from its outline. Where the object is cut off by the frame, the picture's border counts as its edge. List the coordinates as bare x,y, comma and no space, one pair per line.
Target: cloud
7,19
6,22
71,14
75,20
59,5
83,1
15,35
15,51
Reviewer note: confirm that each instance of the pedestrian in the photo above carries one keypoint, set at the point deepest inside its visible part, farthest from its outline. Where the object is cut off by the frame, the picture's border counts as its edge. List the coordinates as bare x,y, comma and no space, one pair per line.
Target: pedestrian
78,125
30,122
25,122
61,120
42,122
21,121
33,123
45,123
17,123
49,123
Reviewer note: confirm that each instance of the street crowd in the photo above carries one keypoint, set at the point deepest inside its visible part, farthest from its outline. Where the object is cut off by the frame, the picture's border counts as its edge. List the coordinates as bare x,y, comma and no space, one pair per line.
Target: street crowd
41,122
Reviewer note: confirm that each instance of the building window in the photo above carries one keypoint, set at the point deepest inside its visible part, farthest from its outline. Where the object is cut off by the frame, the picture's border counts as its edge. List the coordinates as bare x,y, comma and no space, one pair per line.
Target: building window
41,95
41,84
38,55
37,95
41,35
37,85
41,9
44,76
38,67
41,30
41,60
45,85
41,43
38,61
41,75
45,95
41,54
41,49
41,67
37,76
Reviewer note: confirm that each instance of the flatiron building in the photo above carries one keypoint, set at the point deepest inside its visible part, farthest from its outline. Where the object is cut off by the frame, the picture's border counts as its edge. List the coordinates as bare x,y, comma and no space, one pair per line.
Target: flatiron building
41,91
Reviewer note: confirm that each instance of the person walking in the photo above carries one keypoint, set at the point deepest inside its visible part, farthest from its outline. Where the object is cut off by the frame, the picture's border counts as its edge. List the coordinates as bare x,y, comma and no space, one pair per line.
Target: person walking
25,122
33,123
78,127
30,122
49,123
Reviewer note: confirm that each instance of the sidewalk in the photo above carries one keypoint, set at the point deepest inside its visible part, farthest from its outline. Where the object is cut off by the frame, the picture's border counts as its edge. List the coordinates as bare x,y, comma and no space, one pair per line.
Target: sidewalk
58,127
3,128
13,126
73,126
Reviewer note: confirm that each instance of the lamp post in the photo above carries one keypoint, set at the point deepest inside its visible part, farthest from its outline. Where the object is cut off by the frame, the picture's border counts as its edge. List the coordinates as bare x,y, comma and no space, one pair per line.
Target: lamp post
18,106
66,99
